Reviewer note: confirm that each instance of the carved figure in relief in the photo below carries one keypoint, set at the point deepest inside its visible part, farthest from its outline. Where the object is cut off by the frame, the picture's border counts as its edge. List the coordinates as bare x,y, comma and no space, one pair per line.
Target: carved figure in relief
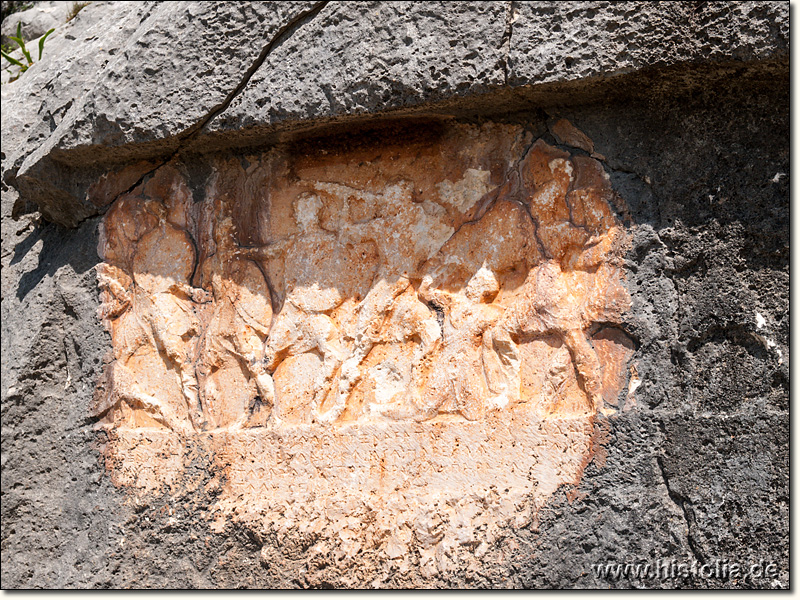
403,375
232,350
169,310
574,287
377,288
457,378
404,235
154,316
463,282
550,304
312,258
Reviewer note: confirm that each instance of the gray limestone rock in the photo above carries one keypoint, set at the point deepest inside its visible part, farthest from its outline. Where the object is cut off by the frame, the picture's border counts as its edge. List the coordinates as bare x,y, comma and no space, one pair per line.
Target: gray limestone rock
37,20
373,57
563,41
339,60
158,71
687,102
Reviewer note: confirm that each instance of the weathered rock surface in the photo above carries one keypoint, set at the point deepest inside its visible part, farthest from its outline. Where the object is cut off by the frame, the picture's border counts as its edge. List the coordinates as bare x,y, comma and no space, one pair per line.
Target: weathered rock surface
190,57
37,20
594,261
401,327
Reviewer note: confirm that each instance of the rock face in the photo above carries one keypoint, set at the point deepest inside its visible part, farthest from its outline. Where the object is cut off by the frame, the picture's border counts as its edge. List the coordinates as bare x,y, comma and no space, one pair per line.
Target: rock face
403,295
405,325
154,78
35,21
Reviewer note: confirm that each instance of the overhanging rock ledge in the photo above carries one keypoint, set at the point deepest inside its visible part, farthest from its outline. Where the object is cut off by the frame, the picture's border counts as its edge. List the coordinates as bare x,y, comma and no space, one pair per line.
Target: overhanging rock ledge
371,294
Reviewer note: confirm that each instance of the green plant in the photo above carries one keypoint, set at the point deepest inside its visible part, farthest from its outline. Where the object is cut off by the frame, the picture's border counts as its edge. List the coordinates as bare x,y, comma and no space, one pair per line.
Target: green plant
75,9
25,53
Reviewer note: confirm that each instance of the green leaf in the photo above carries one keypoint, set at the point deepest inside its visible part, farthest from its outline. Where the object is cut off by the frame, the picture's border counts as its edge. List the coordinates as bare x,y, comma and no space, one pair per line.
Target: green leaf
41,42
21,44
11,59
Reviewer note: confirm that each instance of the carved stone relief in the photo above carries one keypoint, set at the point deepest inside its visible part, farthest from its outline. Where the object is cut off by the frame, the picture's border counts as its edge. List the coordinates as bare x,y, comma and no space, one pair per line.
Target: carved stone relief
404,324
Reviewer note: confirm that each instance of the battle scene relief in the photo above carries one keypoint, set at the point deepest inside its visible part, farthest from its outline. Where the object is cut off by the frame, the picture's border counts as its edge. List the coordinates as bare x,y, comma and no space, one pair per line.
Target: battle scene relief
417,316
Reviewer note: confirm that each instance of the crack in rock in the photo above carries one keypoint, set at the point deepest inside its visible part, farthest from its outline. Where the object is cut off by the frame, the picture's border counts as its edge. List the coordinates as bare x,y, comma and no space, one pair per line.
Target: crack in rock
683,503
192,132
505,42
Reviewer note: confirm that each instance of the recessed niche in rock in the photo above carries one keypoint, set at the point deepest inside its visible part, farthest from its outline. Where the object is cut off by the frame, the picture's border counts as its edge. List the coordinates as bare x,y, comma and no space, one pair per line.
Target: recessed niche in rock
387,341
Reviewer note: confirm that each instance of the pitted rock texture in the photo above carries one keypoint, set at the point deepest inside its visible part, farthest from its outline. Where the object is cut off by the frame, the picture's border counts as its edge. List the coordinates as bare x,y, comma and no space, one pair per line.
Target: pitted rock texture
434,275
34,21
275,66
694,138
389,280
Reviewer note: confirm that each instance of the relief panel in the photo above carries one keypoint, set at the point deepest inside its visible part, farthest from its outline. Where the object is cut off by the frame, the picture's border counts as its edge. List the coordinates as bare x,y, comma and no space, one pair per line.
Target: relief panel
407,322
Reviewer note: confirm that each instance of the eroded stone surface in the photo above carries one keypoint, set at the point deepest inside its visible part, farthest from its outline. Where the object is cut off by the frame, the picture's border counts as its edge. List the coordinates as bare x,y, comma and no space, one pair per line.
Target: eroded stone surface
126,81
699,470
420,327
